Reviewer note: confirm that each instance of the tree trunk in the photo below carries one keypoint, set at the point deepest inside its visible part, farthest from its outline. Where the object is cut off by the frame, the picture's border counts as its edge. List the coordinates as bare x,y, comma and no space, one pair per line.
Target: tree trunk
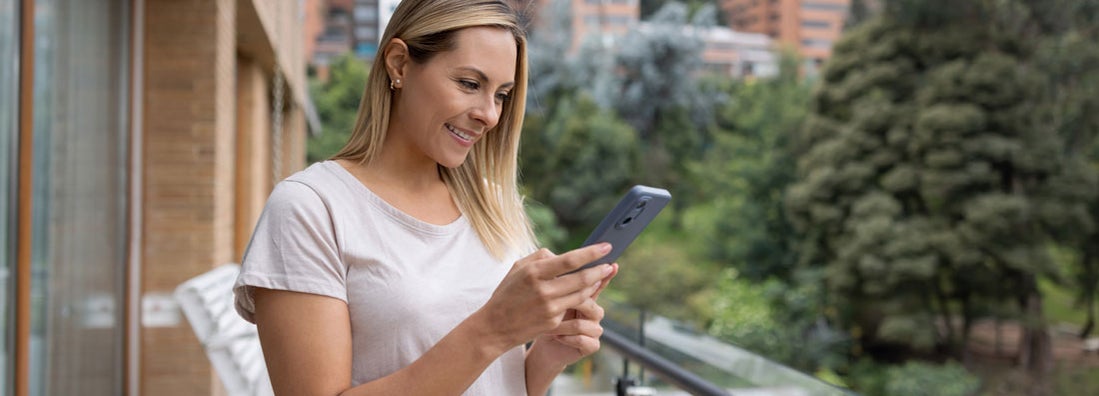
967,327
1089,323
947,339
1035,345
1090,280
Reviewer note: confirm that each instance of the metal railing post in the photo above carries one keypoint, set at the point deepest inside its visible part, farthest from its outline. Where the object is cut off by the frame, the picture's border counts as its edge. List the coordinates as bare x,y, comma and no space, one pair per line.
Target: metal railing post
662,367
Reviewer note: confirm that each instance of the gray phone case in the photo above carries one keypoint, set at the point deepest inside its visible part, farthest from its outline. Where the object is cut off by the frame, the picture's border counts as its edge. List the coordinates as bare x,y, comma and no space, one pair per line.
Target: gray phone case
626,221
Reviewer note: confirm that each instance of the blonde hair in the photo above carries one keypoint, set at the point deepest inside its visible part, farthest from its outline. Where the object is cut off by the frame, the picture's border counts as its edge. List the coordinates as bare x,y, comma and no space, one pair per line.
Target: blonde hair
485,186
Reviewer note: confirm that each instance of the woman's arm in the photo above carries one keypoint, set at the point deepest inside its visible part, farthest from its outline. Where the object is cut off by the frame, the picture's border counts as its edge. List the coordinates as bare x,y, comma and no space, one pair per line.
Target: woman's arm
306,338
306,342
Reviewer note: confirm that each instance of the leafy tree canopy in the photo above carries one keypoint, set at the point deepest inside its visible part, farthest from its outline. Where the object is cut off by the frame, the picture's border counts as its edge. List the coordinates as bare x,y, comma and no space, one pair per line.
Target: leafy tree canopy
930,175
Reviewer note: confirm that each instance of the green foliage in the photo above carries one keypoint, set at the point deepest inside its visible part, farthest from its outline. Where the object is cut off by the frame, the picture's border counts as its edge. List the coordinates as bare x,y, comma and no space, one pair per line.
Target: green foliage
550,234
914,378
742,176
926,181
578,160
657,275
661,61
777,320
337,102
923,379
1071,60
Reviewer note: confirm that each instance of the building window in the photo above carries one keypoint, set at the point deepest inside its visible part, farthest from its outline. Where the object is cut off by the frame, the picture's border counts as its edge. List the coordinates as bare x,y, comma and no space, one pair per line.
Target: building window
78,258
9,129
822,6
620,20
366,33
815,24
366,13
816,43
591,20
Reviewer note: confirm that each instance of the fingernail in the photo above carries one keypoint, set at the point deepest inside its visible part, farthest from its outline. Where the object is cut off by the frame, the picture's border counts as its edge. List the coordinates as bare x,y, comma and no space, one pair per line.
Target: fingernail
606,247
607,269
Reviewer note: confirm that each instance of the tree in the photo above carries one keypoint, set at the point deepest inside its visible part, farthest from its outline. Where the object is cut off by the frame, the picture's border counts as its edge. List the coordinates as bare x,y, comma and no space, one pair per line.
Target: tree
926,183
573,157
657,60
337,102
745,171
1069,55
657,91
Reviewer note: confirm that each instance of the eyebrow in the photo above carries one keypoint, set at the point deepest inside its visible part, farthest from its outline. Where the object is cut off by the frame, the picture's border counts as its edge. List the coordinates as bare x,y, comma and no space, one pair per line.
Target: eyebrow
484,78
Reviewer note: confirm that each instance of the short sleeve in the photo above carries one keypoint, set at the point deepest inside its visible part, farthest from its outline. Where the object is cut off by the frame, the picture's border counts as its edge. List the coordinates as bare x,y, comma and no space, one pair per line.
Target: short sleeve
293,248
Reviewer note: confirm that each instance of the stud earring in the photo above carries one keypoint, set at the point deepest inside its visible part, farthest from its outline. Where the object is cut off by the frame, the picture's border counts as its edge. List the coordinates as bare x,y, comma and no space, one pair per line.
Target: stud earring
392,82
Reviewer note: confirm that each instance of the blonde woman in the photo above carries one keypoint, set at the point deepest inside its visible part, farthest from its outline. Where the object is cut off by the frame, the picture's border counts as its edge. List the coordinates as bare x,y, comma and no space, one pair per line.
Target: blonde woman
404,265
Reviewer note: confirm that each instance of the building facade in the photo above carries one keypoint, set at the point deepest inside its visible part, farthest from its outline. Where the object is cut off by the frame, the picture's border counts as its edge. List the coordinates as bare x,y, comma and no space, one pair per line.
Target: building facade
603,19
737,54
138,142
810,27
338,27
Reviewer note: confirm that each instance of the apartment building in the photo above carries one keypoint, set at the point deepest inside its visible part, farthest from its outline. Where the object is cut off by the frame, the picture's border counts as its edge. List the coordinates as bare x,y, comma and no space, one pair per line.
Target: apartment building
737,54
603,20
810,27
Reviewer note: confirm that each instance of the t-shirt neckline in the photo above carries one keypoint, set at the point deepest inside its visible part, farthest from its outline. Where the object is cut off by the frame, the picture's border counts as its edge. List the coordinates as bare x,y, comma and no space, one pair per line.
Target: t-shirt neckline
392,211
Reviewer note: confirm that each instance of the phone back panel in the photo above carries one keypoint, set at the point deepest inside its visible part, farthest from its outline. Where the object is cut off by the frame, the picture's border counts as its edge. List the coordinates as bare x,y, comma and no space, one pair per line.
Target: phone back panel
626,221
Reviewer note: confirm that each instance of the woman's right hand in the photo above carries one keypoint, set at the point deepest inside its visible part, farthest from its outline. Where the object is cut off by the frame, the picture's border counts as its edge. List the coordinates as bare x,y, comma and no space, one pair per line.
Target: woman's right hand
533,297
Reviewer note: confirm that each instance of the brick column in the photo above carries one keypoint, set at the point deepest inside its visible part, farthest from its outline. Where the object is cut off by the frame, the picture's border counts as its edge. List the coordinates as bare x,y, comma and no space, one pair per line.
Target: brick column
293,140
254,179
188,186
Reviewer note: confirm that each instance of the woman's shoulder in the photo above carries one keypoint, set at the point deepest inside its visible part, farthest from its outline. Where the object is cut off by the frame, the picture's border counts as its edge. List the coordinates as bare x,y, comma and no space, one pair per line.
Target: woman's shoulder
325,179
314,187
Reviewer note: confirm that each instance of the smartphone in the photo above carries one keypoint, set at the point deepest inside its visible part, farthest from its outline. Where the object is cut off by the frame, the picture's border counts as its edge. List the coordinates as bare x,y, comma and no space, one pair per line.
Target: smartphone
626,221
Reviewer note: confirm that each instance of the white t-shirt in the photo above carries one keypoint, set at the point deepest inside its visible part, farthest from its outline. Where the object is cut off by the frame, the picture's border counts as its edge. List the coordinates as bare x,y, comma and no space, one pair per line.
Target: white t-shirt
407,283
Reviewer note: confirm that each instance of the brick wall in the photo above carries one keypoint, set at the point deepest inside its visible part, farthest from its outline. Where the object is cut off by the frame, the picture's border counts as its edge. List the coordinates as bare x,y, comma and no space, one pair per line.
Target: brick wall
254,178
188,173
208,155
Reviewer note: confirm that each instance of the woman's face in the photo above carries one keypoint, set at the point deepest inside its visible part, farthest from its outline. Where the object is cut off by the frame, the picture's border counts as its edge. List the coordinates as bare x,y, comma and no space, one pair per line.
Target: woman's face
447,104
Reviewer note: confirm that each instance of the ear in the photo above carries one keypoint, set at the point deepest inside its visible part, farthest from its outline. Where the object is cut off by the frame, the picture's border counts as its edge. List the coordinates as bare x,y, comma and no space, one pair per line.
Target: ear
396,59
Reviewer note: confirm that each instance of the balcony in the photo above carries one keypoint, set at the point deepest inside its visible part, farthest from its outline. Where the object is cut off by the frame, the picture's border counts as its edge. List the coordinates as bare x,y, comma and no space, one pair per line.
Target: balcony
652,355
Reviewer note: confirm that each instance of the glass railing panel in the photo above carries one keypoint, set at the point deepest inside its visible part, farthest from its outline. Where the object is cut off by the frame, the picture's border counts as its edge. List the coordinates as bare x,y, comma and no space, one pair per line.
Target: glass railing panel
727,366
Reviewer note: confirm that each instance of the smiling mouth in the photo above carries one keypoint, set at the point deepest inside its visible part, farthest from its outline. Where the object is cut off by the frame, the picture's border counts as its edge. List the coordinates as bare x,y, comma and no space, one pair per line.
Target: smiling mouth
459,133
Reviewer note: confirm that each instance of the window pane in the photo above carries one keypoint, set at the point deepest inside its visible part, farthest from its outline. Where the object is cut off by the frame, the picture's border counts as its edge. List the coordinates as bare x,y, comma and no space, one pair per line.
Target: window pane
78,259
9,107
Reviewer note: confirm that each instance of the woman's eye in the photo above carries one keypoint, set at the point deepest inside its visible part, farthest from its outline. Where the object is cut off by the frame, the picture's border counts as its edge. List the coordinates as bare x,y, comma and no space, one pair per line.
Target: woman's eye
470,85
502,96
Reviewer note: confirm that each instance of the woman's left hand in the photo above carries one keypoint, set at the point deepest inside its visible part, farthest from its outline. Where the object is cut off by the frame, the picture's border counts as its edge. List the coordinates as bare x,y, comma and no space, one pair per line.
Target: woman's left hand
578,334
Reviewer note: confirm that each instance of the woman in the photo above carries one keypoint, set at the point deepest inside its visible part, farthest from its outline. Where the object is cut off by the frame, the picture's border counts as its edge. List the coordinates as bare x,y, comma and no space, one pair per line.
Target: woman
397,267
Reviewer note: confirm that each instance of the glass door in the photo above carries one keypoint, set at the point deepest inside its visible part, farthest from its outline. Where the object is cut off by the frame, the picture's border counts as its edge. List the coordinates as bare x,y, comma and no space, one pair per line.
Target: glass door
9,129
79,194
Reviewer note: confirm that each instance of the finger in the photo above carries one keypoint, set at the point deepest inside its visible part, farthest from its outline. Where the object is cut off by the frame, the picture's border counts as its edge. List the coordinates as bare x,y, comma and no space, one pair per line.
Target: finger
606,281
586,281
589,310
574,259
540,254
579,294
583,344
530,259
577,327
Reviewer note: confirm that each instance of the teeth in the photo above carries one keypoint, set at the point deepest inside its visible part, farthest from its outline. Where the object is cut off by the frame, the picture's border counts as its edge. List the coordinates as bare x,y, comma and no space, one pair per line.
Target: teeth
457,132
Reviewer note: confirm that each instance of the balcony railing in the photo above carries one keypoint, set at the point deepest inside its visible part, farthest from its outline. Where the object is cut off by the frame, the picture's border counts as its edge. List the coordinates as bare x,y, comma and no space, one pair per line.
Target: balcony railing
684,361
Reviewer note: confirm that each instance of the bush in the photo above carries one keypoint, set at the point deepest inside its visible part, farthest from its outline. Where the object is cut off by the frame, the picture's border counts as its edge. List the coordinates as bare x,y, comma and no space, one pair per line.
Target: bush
914,379
919,378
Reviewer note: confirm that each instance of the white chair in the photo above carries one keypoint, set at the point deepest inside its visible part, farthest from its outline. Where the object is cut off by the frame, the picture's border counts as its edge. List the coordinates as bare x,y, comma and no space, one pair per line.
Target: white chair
231,343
